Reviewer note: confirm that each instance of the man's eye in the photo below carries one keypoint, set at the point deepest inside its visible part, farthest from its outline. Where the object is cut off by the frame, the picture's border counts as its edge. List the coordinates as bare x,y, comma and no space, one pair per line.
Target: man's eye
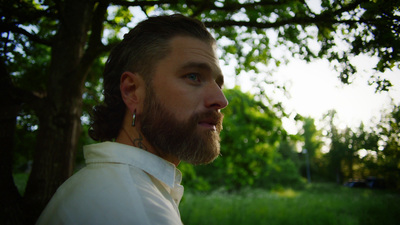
193,77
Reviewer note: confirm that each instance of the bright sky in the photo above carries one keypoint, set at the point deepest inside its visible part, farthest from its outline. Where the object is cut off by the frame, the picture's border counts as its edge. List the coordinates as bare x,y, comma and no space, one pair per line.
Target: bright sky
315,88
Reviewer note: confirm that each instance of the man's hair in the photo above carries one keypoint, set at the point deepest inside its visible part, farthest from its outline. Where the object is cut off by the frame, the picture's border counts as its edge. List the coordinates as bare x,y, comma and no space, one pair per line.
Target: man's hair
139,52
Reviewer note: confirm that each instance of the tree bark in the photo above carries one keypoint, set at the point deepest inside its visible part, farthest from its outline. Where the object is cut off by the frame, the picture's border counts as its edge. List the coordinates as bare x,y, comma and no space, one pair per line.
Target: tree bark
10,199
59,118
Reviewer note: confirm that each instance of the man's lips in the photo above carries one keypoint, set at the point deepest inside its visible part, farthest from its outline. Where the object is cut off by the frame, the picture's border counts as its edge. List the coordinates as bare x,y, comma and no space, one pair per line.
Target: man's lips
210,123
210,120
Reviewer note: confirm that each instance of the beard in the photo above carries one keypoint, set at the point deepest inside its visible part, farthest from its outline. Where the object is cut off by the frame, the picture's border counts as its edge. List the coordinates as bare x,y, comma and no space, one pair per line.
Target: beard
182,139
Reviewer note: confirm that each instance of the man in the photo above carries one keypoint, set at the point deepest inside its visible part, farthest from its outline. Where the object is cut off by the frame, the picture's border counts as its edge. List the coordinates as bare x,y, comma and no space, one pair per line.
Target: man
162,102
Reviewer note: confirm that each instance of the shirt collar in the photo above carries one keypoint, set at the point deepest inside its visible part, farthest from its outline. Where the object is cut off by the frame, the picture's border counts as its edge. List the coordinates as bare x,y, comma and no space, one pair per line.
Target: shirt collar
112,152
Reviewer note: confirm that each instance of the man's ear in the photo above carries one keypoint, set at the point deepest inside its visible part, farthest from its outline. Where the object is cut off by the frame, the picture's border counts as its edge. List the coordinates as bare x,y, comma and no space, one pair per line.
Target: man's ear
132,88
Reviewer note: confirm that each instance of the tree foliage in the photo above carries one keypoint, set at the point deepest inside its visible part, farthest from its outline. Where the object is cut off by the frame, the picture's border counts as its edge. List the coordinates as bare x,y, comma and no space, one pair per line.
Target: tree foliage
387,160
366,151
250,142
311,152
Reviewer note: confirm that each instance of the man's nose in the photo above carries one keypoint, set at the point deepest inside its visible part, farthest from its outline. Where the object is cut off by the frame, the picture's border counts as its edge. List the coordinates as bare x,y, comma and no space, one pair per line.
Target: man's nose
215,98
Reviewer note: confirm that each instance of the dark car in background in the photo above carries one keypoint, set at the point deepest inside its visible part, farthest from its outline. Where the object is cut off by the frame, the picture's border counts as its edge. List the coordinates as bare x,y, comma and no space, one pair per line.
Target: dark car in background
370,182
356,184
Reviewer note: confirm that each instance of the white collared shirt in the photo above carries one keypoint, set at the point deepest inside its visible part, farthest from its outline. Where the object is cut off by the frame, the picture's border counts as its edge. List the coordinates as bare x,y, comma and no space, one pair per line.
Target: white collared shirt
121,184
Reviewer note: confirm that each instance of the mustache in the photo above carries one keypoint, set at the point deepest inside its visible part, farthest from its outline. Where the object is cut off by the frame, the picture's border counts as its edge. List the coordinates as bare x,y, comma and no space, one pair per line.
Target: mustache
211,117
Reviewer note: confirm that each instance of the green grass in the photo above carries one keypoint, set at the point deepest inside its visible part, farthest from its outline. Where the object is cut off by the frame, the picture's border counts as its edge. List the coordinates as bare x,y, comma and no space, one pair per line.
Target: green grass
324,204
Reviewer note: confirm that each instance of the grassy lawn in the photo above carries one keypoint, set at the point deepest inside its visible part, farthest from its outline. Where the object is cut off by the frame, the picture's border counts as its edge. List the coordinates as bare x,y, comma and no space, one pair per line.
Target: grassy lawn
323,204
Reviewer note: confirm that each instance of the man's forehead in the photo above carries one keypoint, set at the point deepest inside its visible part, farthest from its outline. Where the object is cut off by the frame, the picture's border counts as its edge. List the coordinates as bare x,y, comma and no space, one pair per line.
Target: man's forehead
193,45
194,52
201,65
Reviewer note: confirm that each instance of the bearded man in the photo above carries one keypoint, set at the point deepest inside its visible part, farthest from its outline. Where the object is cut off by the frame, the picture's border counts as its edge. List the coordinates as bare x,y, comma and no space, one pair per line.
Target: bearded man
162,102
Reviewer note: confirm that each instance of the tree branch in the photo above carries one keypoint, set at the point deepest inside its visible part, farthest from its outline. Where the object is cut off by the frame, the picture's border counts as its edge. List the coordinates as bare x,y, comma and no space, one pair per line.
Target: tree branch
295,20
97,26
142,3
237,6
95,46
19,30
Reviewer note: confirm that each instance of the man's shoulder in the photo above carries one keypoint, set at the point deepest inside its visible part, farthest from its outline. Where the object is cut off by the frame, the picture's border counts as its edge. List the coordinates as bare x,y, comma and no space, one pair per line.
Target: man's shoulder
105,177
101,191
114,185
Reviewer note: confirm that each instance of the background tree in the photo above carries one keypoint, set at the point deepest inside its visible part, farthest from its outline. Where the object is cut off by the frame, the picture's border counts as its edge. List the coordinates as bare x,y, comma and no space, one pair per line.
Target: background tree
252,135
49,47
388,153
359,142
336,152
354,153
312,143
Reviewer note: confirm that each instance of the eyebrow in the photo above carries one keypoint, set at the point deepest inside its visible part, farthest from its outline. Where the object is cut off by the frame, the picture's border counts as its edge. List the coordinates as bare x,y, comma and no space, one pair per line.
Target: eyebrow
204,66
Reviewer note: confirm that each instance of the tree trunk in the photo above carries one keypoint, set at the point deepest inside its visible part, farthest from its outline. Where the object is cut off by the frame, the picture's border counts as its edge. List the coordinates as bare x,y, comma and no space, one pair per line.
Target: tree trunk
10,199
59,118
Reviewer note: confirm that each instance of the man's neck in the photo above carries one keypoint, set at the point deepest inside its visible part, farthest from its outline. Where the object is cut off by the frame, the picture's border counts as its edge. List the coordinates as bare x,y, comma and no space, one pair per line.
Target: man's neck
130,136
